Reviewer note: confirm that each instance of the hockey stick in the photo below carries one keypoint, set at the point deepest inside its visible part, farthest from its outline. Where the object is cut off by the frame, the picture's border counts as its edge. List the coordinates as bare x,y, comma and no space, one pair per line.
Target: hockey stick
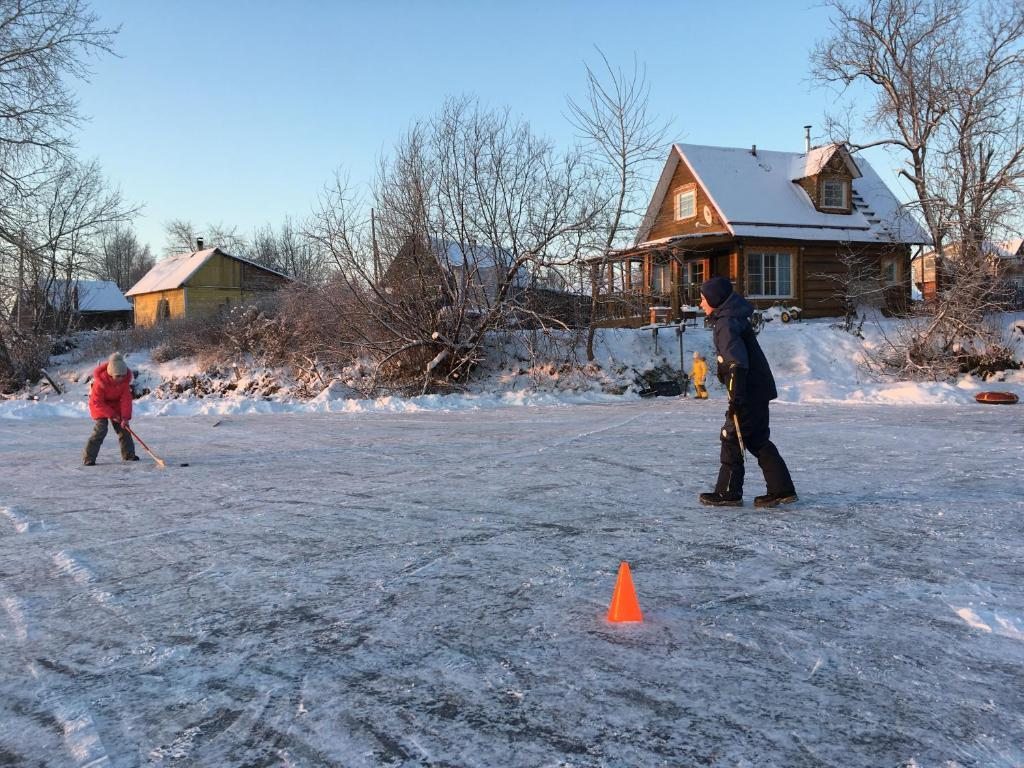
739,432
159,462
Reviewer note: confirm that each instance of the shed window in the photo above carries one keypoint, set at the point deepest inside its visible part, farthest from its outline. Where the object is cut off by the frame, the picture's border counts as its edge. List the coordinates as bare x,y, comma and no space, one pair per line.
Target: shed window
890,271
769,274
834,193
686,205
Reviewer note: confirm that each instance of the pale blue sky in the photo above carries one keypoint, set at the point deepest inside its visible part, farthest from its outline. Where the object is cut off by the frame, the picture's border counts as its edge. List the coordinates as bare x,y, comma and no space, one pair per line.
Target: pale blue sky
238,112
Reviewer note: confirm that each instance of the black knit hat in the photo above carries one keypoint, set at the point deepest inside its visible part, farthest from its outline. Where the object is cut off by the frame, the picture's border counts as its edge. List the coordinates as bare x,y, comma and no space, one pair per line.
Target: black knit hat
716,290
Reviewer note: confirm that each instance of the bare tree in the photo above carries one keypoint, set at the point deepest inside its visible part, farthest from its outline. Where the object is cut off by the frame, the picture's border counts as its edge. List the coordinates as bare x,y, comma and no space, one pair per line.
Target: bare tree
122,259
469,210
43,47
947,78
182,236
289,251
61,237
622,139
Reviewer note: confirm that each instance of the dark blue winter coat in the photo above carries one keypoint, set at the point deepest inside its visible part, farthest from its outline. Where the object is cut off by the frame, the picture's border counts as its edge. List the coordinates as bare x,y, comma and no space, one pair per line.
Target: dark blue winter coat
737,347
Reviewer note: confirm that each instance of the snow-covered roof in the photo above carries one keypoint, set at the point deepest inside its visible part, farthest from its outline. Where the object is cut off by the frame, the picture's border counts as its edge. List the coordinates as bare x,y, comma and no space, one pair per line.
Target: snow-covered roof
481,257
93,295
1004,249
757,196
812,163
174,271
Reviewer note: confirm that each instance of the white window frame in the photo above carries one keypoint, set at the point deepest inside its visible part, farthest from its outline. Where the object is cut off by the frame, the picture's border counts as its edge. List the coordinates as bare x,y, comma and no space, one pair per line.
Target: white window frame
773,257
844,193
683,195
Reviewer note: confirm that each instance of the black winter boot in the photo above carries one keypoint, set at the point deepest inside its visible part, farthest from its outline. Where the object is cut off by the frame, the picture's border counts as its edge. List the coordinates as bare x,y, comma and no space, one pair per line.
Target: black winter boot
716,499
774,499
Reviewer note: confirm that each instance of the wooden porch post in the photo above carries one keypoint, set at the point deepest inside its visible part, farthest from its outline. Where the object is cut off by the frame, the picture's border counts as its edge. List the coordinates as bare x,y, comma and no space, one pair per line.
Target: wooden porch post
676,286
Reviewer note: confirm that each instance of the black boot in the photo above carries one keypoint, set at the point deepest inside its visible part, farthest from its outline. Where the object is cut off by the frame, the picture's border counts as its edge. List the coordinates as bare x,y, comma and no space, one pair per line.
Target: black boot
774,499
716,499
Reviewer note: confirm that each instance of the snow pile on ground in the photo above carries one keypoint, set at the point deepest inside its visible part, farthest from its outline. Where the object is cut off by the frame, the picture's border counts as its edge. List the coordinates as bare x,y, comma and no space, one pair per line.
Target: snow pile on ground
814,362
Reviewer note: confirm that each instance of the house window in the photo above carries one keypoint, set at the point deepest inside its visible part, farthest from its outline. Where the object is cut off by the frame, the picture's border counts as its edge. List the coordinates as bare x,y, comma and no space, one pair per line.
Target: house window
769,274
686,205
890,271
695,272
834,193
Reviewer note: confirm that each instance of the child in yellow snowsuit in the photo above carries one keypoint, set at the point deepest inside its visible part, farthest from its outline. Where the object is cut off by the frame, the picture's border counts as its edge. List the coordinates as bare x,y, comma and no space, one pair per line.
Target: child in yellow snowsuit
699,374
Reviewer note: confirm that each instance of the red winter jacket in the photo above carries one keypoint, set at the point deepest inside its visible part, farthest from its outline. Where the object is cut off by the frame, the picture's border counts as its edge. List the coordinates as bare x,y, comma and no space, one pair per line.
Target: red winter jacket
110,398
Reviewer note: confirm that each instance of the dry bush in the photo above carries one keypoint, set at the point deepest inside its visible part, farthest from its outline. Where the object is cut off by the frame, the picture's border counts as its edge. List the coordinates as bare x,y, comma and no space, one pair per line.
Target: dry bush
22,358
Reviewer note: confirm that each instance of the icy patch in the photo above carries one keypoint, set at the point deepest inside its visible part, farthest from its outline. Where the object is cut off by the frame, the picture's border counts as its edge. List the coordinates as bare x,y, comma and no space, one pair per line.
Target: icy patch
69,565
972,619
82,739
15,610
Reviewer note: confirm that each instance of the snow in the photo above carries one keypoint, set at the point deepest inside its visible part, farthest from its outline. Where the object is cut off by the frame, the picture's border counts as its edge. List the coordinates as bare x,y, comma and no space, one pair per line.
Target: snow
93,295
171,272
757,197
424,582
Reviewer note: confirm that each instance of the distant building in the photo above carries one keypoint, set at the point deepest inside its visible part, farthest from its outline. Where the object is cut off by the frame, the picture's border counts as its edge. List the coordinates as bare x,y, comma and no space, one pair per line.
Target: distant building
76,304
1005,262
203,283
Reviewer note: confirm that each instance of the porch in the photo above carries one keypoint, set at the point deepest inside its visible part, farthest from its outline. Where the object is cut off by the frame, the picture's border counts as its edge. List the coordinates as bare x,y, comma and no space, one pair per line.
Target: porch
640,287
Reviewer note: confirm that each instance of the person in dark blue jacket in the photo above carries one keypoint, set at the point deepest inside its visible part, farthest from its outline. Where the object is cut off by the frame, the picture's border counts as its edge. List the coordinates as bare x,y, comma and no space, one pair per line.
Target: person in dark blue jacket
744,370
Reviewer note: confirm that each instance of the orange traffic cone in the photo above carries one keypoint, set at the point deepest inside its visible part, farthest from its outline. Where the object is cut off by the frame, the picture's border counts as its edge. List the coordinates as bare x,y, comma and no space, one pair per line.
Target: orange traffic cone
625,606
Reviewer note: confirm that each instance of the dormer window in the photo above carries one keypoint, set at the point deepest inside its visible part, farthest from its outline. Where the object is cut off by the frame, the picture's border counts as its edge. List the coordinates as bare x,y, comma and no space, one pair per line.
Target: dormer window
835,193
686,204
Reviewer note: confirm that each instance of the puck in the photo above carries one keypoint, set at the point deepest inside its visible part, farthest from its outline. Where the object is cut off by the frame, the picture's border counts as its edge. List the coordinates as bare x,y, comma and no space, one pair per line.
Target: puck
183,464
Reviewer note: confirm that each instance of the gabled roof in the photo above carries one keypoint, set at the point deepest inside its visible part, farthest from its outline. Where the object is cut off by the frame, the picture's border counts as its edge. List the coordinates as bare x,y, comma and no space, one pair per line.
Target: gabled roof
174,271
757,196
1004,249
483,258
93,295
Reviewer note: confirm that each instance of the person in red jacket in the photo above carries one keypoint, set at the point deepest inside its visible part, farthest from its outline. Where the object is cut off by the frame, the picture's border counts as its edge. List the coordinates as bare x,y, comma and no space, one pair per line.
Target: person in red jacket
110,398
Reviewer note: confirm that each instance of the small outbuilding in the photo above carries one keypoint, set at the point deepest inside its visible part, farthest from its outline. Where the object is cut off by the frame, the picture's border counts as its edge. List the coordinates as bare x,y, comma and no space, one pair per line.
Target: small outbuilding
74,304
200,284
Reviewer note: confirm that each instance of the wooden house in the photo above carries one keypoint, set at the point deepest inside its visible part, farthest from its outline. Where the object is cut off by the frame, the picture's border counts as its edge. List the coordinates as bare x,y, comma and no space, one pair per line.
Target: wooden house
438,270
1005,261
806,229
200,284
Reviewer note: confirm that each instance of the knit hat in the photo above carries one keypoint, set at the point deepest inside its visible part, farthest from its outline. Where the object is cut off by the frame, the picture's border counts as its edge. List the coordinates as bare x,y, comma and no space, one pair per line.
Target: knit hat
716,290
116,365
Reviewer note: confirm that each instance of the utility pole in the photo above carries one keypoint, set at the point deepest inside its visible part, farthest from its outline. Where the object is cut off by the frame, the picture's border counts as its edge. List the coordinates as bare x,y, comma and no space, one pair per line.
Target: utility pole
376,256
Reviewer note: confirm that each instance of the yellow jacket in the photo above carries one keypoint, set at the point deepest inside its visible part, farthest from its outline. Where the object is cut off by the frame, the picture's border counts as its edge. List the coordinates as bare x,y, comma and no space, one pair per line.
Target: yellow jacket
700,371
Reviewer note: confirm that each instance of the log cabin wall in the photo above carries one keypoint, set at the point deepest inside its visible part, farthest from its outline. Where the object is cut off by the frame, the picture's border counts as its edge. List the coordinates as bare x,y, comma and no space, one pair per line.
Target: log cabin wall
666,224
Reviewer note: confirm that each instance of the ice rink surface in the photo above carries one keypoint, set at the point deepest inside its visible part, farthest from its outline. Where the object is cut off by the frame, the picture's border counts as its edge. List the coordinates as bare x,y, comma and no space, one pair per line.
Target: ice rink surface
430,589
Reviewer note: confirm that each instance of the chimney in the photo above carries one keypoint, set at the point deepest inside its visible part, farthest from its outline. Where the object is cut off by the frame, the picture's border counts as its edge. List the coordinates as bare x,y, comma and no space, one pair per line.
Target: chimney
199,243
753,149
807,138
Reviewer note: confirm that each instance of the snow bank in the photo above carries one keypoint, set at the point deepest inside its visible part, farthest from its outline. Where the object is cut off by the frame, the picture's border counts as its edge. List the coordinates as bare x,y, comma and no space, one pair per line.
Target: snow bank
813,362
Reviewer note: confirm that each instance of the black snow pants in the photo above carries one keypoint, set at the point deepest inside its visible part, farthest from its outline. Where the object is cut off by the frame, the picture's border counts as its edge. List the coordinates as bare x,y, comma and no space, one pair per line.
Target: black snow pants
754,426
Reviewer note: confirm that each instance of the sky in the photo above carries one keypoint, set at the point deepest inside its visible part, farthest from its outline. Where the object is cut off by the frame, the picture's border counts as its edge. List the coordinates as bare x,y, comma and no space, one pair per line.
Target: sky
238,113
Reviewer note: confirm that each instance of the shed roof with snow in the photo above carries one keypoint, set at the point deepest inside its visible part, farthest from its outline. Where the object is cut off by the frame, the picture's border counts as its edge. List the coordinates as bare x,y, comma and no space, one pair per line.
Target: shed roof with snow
93,295
174,271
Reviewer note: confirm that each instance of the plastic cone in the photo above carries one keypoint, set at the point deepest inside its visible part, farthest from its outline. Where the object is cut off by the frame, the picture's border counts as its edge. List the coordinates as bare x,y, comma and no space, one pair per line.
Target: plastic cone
625,606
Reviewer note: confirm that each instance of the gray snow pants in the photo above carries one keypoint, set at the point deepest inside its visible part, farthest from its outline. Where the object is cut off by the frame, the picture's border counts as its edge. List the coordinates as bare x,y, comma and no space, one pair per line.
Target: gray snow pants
92,448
